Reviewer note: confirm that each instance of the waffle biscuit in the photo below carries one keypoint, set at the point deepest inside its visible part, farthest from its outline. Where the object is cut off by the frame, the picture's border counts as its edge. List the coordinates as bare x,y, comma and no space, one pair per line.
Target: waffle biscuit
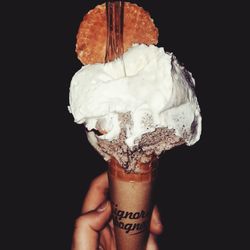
92,34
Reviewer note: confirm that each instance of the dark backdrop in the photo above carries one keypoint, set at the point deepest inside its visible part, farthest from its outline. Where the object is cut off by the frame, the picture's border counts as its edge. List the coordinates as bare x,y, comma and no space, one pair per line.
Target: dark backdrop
49,160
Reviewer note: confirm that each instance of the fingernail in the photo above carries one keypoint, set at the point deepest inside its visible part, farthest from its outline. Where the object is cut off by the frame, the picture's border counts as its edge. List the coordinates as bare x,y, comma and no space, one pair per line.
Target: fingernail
102,207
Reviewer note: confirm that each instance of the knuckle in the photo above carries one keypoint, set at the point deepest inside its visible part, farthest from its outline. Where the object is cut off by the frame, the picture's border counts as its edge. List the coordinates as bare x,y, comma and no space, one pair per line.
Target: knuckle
79,221
98,183
94,184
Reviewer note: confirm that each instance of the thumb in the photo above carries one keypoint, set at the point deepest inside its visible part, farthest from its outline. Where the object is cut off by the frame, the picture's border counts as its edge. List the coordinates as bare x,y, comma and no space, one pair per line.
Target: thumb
88,226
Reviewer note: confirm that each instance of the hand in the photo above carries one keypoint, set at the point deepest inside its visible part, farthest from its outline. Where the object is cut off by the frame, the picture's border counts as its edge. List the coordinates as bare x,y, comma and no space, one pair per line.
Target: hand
94,228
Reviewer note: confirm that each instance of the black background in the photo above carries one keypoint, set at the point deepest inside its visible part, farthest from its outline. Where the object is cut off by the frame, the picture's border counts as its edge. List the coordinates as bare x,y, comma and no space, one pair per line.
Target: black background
48,159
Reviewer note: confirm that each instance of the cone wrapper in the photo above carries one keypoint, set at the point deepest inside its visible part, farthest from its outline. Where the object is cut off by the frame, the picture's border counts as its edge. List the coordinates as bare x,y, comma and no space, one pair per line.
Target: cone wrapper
131,195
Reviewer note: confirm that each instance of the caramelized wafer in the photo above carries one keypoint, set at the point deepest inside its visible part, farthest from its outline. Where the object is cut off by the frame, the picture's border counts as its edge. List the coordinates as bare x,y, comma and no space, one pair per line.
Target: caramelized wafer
92,33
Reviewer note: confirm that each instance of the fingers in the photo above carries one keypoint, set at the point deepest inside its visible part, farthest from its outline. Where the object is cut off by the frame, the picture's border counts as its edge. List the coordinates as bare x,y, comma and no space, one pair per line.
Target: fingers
152,244
97,193
156,226
88,225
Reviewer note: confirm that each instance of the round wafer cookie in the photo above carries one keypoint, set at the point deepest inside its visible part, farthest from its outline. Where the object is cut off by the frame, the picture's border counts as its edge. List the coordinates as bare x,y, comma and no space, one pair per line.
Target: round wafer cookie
138,27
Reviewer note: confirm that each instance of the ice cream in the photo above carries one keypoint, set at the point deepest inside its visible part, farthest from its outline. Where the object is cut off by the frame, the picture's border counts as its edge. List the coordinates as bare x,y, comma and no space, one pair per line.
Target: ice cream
134,117
133,108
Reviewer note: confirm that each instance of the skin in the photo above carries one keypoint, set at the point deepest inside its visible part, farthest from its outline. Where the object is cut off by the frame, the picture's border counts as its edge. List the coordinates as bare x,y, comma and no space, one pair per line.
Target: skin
94,228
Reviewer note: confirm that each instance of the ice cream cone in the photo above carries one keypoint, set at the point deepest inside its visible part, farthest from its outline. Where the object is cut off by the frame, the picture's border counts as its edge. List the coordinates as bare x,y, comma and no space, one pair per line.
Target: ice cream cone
132,202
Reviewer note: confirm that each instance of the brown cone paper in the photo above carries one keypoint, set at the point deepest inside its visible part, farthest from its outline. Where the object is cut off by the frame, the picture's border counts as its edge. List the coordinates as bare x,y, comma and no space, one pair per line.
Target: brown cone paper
131,196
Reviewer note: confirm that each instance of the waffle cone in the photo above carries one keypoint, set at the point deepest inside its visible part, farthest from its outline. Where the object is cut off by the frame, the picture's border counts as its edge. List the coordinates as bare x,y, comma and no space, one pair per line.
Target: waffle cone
132,202
92,34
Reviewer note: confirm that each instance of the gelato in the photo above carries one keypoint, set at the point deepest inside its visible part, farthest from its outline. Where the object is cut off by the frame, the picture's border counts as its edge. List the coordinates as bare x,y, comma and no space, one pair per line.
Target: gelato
138,116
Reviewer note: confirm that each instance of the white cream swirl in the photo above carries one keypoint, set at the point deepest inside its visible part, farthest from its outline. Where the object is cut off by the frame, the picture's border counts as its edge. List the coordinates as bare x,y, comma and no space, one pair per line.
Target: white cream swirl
156,91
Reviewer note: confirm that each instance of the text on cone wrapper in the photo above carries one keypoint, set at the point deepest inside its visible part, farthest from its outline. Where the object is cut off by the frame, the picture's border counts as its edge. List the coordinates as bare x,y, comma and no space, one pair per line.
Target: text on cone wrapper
139,220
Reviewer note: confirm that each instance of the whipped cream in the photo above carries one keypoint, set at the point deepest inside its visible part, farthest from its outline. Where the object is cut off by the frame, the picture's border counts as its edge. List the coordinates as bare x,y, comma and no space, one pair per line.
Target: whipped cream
157,92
